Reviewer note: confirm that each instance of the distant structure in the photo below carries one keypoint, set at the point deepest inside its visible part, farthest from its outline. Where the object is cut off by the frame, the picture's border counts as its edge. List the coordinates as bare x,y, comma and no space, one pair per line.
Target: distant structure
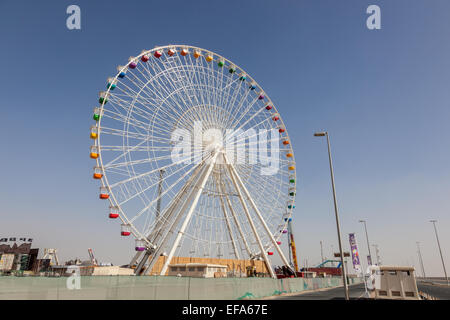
326,268
91,256
51,254
16,254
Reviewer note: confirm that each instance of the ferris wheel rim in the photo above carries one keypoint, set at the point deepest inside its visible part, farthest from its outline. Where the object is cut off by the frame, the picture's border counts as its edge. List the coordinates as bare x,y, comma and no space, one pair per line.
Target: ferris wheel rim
104,181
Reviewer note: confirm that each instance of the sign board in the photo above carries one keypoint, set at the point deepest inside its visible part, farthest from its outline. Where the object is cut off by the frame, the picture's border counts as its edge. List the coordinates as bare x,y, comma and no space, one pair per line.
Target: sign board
355,254
338,255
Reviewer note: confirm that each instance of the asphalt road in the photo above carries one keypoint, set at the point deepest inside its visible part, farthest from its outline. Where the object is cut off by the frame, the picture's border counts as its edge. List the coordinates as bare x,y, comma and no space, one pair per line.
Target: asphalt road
437,290
355,291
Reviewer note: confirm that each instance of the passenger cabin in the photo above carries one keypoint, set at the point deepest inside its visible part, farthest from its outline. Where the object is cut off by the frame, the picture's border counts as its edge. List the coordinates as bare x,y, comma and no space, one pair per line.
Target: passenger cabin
113,212
125,230
98,173
140,245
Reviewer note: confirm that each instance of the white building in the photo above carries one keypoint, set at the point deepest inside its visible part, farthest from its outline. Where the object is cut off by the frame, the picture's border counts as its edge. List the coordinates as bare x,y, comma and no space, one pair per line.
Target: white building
198,270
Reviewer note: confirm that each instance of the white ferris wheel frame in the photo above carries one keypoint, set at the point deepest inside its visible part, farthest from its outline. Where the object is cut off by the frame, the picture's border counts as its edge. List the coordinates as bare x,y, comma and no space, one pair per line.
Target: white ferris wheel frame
236,179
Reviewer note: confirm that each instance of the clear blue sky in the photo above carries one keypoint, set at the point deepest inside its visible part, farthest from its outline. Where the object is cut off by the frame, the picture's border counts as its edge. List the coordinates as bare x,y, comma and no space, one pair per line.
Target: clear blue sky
383,95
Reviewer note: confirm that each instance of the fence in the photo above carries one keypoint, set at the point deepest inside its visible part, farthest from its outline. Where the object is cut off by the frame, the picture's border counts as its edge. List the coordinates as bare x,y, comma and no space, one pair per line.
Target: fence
157,287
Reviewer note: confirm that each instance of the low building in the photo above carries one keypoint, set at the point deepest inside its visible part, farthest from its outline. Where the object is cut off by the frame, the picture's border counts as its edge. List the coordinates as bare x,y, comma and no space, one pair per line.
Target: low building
234,266
198,270
112,271
6,262
68,270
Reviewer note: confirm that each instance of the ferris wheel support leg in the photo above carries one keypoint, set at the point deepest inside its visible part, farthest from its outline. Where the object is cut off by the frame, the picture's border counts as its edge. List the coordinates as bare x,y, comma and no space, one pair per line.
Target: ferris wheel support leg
238,225
135,258
190,212
170,226
252,225
258,213
222,203
156,232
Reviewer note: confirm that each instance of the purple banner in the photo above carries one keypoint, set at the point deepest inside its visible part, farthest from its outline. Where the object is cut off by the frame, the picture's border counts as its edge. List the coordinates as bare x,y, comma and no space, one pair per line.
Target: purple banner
355,254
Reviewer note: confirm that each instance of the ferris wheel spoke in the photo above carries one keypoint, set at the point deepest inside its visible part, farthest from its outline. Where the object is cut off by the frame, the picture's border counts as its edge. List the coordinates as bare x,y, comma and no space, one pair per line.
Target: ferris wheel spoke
241,132
125,120
165,219
124,133
271,179
169,219
130,97
226,90
146,174
166,190
141,112
252,142
262,192
236,252
249,218
203,79
266,228
200,187
171,83
233,122
149,92
125,148
239,105
185,75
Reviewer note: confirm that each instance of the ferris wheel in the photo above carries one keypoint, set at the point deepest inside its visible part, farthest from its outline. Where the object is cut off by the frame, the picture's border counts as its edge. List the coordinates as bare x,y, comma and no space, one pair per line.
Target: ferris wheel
193,157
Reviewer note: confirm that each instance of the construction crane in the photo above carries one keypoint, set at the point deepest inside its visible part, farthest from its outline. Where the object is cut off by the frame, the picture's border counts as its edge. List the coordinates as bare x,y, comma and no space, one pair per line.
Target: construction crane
292,245
50,253
91,255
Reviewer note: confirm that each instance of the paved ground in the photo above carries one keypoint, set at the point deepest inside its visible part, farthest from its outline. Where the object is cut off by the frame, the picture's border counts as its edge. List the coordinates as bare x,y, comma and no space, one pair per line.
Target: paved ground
355,291
436,289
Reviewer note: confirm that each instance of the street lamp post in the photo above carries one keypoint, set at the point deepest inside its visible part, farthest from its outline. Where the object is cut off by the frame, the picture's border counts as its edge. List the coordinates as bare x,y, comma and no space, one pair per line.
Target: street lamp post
377,252
344,273
367,238
420,259
440,251
321,250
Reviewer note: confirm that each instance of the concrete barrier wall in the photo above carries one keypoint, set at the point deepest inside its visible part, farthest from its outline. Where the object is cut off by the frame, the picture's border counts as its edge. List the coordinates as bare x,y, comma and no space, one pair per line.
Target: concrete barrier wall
157,287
